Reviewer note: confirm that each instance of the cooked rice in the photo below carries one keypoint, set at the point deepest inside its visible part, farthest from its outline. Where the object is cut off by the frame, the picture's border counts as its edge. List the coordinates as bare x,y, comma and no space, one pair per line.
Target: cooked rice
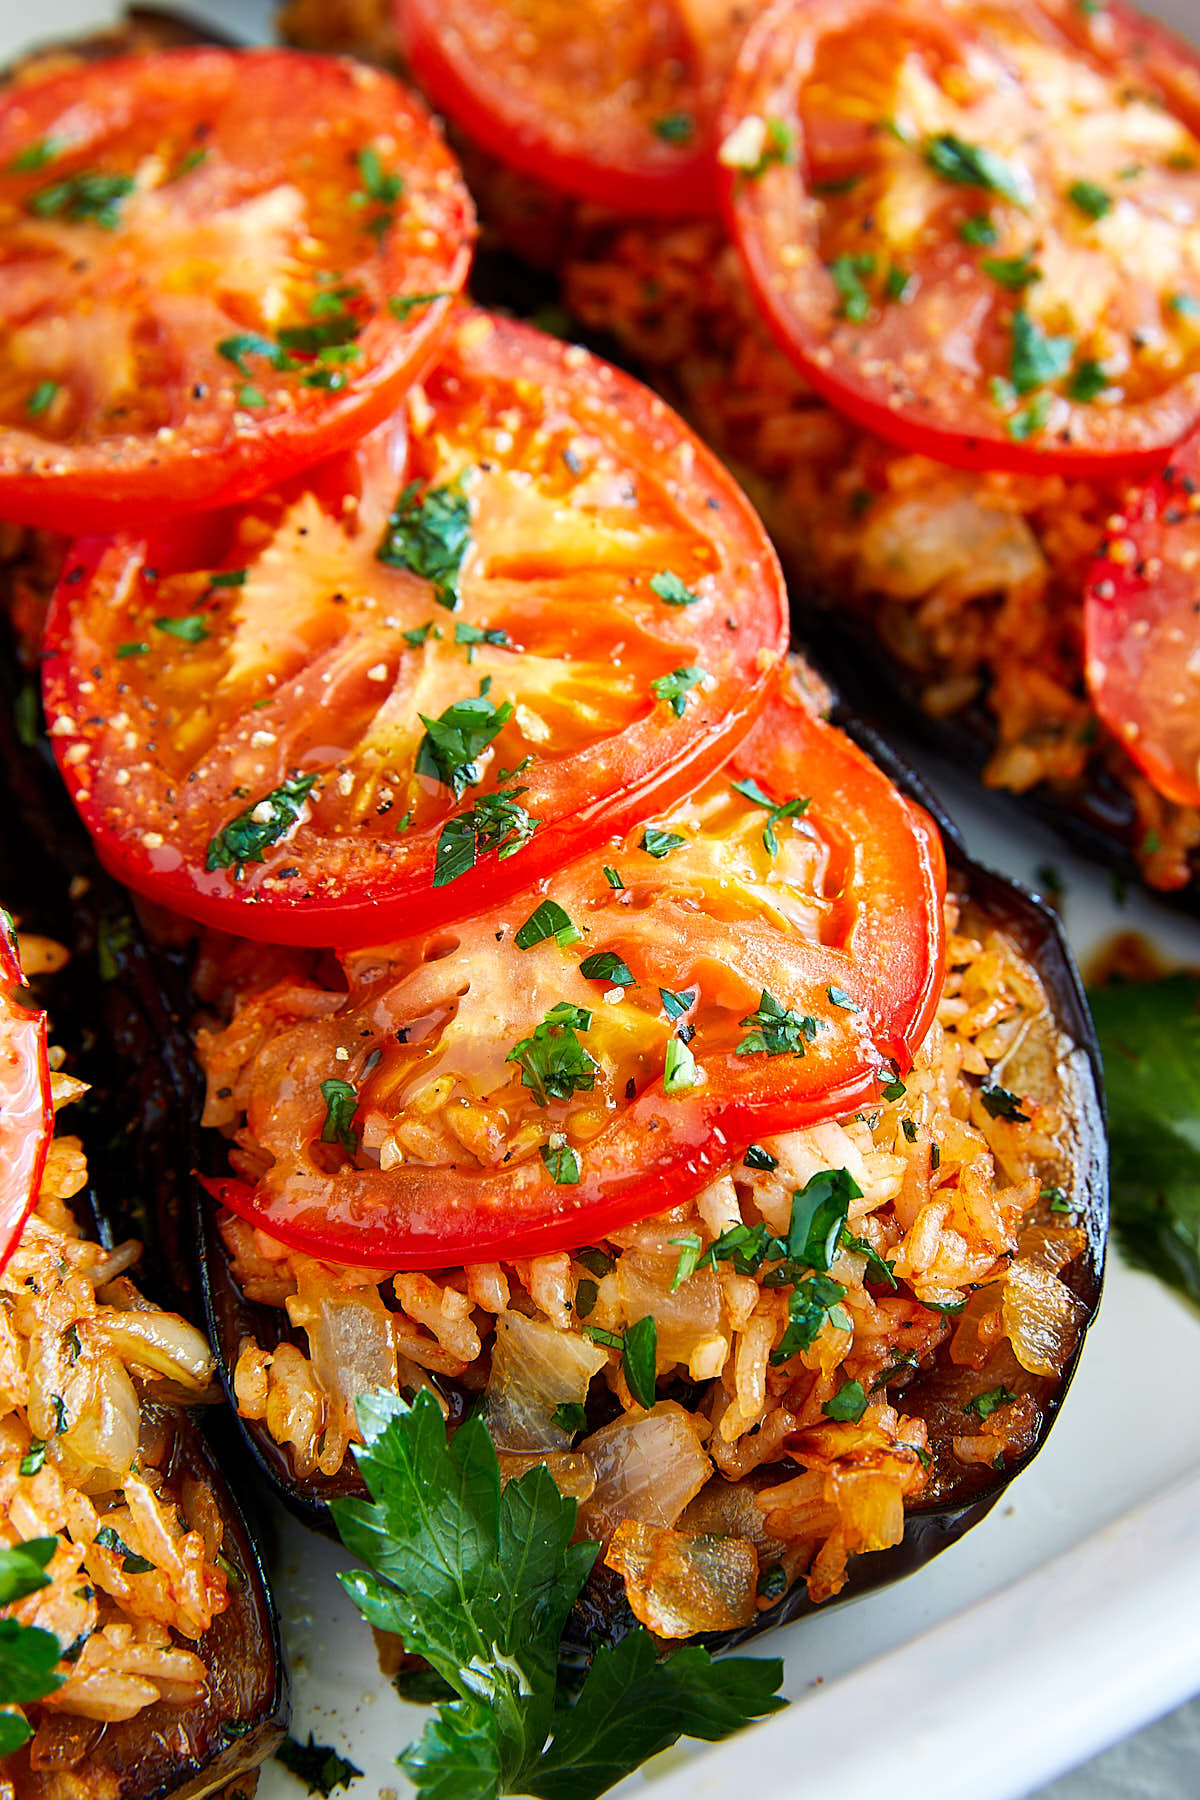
975,1228
83,1358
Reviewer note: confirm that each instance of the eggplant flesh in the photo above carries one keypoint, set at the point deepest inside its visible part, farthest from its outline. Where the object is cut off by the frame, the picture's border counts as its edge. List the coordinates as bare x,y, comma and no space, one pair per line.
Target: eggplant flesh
142,1011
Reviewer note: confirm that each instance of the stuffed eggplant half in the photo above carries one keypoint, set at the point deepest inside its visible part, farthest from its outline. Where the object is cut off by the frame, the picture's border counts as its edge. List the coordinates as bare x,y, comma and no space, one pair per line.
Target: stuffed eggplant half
138,1612
919,320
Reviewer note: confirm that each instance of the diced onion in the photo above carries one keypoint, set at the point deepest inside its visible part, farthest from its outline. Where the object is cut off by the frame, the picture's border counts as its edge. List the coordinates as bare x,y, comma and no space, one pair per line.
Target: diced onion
536,1368
646,1469
678,1584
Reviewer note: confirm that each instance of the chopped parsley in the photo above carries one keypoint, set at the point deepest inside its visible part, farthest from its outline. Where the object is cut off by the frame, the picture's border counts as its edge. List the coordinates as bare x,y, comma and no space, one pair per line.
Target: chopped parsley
639,1355
679,1068
676,1003
690,1249
452,742
228,578
35,156
131,1562
613,879
849,1403
847,274
547,920
42,398
1090,199
28,1655
818,1219
675,128
811,1303
1012,272
978,229
318,1766
494,822
380,191
1003,1105
789,809
192,628
570,1417
401,305
1088,380
242,344
671,590
660,843
1186,305
470,635
984,1405
562,1163
341,1104
777,1030
429,535
1036,357
606,965
90,197
758,1158
974,165
553,1063
34,1458
839,997
675,687
247,837
1030,419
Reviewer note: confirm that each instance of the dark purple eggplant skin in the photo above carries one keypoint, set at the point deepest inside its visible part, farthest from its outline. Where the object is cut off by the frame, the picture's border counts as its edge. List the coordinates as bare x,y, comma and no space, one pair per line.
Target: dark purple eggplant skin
149,999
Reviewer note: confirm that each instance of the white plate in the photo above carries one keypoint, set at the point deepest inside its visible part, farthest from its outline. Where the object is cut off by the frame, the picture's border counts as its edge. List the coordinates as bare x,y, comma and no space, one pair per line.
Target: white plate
965,1664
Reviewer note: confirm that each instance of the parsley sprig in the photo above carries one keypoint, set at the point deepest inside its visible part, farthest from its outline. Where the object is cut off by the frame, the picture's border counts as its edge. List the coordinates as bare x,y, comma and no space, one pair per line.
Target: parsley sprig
453,741
28,1655
480,1581
429,535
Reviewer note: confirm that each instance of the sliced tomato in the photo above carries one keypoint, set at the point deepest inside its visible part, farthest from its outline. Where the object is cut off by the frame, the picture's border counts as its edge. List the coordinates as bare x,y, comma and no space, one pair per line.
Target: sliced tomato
975,226
26,1109
614,102
1142,628
257,716
766,954
216,267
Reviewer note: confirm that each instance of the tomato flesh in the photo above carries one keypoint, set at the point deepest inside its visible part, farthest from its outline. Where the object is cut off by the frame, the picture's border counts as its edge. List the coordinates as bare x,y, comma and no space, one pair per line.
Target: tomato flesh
979,230
739,965
1142,629
210,271
614,609
26,1108
613,102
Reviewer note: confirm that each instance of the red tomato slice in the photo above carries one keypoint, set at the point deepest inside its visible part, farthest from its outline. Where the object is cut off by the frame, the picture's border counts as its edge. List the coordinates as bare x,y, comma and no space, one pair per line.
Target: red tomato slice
216,267
973,225
613,102
26,1109
753,960
268,728
1142,629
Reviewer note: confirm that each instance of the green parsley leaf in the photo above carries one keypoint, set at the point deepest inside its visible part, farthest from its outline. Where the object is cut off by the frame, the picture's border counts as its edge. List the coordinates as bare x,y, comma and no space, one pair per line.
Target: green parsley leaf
34,1458
23,1567
28,1659
758,1158
401,305
848,1404
839,997
639,1354
36,156
341,1104
894,1089
984,1405
1088,379
660,843
679,1068
690,1251
676,1004
495,822
1186,305
675,687
547,920
778,147
249,395
812,1302
42,398
384,188
192,628
586,1295
1030,420
562,1163
596,1262
452,742
978,229
1012,272
430,536
553,1063
847,274
318,1766
1003,1105
1090,199
898,284
251,343
671,590
606,965
228,578
675,128
470,635
613,879
479,1581
131,1562
27,708
777,1030
973,165
878,1269
90,196
421,634
247,837
818,1218
569,1416
1037,358
789,809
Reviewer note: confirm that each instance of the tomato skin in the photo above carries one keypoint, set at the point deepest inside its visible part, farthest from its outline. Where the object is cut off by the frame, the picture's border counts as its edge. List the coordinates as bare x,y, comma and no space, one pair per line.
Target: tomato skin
891,375
209,449
380,887
885,876
1142,628
26,1108
636,176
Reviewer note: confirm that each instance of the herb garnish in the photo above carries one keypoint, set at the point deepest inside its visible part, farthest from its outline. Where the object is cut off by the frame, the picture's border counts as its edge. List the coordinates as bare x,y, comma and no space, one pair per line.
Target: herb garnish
28,1655
1036,357
812,1302
341,1104
984,1405
401,305
1012,272
679,1068
974,165
247,837
660,843
1090,199
562,1162
553,1063
671,590
790,809
379,193
606,965
479,1581
674,1003
778,1030
89,196
675,128
192,628
1003,1105
318,1766
675,687
848,1404
547,920
430,536
847,275
451,743
495,822
42,398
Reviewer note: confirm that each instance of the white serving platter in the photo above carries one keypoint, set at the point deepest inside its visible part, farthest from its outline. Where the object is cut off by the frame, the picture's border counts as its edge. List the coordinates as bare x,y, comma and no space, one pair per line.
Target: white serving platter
1068,1618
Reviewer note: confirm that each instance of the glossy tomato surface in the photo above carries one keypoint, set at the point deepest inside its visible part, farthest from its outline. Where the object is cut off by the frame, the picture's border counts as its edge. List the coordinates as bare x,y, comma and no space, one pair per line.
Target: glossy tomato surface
614,101
975,226
26,1109
1142,628
764,954
427,675
215,268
